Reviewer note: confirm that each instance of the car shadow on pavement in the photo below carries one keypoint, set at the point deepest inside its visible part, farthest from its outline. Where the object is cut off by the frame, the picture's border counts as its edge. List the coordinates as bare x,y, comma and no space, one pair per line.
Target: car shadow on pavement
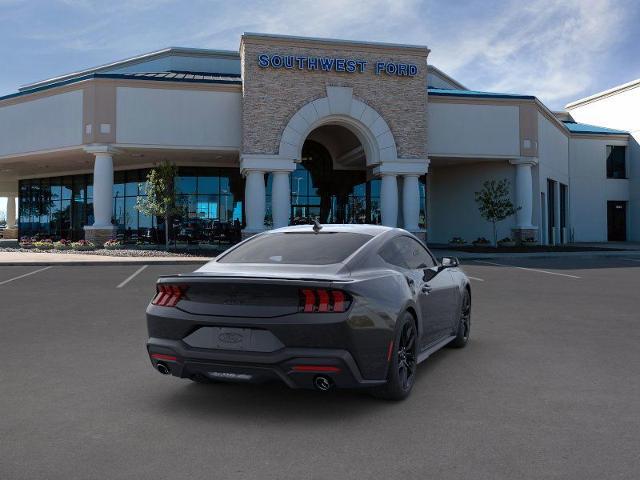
277,402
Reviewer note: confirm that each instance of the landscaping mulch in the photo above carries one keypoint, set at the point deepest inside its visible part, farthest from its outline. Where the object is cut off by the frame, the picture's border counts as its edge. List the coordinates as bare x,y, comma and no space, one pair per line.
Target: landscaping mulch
108,253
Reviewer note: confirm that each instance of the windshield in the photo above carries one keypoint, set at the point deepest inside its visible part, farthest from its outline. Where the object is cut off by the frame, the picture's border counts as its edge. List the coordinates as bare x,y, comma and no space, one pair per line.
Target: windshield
298,248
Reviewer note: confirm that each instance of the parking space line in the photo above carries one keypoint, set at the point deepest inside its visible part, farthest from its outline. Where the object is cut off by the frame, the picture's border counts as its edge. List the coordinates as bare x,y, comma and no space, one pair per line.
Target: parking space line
529,269
132,276
475,278
25,275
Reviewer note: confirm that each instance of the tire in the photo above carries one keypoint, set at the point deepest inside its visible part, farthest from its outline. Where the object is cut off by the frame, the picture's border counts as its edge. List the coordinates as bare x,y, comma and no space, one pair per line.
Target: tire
403,365
464,323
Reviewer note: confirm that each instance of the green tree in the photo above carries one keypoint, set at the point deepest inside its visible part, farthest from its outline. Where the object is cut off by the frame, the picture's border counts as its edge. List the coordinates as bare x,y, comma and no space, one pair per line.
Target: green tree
494,203
160,199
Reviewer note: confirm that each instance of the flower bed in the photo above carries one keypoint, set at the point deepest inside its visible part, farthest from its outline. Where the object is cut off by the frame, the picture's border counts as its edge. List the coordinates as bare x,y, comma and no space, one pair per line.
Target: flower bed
83,245
113,245
62,245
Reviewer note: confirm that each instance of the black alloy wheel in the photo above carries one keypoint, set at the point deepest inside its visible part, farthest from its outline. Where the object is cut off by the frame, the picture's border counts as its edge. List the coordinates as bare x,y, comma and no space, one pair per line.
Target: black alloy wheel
403,363
464,325
406,353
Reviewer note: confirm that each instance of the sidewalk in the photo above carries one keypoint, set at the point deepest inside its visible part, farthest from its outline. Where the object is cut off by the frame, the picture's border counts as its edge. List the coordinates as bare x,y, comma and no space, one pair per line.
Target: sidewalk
37,259
439,253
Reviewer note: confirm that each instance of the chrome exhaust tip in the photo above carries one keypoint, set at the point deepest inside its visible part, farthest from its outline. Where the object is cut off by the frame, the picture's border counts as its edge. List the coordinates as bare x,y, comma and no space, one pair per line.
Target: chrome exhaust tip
323,383
163,369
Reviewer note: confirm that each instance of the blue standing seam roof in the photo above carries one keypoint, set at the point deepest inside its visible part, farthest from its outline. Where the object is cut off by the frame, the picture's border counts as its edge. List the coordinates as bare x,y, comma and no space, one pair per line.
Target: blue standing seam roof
445,92
229,79
585,128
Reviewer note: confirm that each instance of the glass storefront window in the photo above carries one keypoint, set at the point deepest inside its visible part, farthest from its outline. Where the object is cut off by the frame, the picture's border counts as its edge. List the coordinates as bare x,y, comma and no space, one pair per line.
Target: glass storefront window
60,207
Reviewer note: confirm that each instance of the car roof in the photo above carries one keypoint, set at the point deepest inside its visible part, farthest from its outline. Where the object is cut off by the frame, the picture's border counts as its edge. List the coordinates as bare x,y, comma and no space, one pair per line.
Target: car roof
372,230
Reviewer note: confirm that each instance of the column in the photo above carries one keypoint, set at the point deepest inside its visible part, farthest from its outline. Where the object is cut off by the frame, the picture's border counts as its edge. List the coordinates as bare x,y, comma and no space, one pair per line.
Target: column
524,198
11,211
524,195
389,200
103,190
280,199
411,202
255,201
102,228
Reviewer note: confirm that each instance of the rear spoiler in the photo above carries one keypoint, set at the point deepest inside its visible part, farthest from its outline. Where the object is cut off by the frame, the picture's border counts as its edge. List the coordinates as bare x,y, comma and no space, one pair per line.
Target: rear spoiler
208,278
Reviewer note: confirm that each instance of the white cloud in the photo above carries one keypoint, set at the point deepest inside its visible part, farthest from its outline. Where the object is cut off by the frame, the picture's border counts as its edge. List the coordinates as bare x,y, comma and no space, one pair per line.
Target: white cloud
546,48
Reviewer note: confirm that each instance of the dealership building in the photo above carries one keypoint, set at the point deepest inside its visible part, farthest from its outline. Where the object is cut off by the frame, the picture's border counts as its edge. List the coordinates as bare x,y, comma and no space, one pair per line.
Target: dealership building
288,129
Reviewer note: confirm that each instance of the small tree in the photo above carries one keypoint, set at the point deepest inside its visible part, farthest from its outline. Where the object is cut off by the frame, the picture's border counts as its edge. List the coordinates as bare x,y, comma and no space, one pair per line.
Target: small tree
160,199
494,203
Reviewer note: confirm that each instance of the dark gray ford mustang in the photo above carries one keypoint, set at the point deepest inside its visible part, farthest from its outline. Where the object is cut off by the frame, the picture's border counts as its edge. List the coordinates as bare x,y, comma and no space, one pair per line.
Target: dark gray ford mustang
313,306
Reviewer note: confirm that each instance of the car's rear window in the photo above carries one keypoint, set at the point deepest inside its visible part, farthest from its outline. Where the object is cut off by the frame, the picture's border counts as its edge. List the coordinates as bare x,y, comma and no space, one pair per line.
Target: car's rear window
298,248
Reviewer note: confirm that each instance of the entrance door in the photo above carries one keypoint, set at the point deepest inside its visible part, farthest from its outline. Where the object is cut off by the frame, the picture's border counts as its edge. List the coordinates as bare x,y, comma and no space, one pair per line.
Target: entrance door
617,221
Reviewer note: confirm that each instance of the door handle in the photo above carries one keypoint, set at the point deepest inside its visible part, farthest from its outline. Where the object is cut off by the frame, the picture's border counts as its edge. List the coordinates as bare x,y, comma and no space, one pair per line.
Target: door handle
426,289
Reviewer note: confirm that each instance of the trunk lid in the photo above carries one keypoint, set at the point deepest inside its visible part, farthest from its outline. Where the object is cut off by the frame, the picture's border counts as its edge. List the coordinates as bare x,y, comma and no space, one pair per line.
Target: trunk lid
251,291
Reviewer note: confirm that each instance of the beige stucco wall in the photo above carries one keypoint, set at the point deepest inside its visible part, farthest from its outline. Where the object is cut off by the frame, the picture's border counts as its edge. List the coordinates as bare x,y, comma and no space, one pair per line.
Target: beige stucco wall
272,96
461,129
178,117
45,123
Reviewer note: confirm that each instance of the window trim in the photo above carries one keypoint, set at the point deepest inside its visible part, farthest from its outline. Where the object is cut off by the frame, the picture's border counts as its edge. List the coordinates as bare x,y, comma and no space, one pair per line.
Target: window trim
626,163
433,258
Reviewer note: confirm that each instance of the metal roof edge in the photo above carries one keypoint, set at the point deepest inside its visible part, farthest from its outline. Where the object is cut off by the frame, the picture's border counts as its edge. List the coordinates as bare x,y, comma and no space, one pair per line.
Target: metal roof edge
447,77
131,61
476,94
124,76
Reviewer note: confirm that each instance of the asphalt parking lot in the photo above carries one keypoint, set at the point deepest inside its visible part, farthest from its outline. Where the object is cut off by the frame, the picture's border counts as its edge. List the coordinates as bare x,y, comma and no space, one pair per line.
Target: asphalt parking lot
547,388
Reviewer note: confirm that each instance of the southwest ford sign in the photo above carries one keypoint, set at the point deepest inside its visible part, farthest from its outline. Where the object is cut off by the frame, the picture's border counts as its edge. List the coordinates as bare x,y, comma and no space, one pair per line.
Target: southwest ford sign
333,64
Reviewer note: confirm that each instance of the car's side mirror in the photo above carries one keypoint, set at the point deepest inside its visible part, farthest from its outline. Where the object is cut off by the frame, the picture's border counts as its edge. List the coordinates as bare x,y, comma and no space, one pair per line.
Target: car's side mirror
450,262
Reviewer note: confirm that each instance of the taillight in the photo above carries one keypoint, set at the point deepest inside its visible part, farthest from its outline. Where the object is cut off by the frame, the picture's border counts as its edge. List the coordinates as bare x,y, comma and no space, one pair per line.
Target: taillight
168,295
322,300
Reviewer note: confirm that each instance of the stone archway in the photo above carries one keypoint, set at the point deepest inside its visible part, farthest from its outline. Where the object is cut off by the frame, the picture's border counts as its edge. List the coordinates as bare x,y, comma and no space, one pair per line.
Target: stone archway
339,107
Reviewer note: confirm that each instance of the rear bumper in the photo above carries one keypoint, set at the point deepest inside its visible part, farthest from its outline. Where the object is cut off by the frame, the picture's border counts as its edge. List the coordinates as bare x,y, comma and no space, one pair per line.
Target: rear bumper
296,367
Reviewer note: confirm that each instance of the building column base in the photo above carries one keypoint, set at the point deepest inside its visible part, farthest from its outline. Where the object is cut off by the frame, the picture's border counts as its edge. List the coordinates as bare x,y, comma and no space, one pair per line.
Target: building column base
523,234
99,235
9,233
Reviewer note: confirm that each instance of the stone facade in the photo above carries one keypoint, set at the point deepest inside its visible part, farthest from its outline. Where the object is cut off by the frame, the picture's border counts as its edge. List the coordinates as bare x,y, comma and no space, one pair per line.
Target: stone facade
272,96
99,236
9,233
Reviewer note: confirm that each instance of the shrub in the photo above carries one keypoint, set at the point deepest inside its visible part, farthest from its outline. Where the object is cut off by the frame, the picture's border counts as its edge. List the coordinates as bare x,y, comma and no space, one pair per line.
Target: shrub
43,244
26,242
62,245
481,241
457,241
83,245
112,244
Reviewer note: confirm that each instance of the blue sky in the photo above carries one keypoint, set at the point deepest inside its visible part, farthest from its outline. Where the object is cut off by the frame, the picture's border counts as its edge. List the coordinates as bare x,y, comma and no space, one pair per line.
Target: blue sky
557,50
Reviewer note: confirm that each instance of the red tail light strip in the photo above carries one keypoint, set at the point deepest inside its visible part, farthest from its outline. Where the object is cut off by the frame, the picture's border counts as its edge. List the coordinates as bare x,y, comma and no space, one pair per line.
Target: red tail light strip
162,356
323,304
321,300
309,300
315,368
168,295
